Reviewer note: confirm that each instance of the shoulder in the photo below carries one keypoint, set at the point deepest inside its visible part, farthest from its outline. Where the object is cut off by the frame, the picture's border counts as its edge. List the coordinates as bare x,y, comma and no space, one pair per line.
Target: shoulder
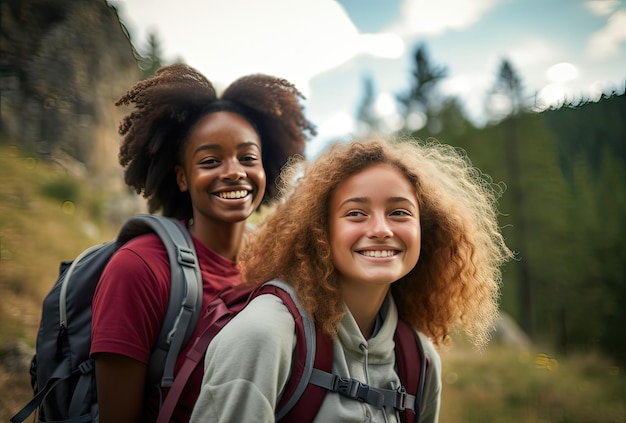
145,244
265,325
145,250
140,265
265,314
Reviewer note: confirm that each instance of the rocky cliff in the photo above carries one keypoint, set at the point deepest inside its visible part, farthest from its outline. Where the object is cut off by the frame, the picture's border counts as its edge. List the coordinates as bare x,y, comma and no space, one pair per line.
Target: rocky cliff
63,64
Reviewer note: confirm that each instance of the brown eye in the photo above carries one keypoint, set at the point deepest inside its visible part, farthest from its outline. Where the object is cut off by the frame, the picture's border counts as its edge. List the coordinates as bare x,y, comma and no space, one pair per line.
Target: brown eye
248,158
209,162
400,213
355,213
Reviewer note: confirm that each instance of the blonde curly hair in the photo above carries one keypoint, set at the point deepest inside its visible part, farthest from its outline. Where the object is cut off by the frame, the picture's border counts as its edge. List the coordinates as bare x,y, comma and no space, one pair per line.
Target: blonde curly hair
456,281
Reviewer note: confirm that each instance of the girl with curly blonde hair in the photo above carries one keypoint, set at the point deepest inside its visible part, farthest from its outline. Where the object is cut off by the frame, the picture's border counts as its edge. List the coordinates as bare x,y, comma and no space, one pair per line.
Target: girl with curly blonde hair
370,232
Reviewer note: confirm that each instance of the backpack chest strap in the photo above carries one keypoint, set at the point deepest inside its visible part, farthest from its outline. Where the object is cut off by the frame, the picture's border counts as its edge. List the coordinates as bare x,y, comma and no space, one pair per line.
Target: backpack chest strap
357,390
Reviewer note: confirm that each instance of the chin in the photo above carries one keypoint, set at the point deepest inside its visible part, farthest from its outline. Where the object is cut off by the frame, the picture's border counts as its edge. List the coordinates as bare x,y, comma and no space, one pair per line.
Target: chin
239,219
382,280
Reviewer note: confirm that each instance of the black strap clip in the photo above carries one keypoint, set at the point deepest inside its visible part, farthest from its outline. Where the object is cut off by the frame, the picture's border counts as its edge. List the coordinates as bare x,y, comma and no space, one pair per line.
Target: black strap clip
354,389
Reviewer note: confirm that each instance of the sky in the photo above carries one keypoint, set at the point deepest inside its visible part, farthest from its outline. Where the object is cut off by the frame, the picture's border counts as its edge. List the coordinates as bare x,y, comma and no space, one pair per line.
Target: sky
561,49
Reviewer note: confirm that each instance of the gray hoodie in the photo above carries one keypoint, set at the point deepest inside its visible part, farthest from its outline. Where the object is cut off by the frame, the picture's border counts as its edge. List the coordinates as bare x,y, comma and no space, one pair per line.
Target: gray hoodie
248,364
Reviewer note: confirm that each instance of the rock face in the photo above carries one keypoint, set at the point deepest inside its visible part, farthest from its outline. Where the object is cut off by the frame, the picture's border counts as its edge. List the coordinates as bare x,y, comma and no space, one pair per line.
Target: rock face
15,356
63,64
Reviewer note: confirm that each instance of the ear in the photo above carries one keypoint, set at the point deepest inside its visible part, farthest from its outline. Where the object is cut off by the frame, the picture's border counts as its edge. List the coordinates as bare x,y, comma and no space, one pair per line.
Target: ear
181,178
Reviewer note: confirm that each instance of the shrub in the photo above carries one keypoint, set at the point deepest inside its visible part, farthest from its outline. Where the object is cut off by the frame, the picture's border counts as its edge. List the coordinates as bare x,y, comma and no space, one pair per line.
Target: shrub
62,189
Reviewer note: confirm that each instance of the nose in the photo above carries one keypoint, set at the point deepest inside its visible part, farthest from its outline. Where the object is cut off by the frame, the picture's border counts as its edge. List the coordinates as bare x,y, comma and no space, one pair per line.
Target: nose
233,171
379,227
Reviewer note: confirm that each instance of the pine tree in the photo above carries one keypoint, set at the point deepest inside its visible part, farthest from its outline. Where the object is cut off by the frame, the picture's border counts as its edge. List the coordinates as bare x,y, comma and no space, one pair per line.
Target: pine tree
422,97
367,118
509,86
151,62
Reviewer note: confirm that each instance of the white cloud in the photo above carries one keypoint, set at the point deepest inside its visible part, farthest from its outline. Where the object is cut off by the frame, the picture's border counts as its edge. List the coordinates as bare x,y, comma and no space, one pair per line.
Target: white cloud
562,72
606,42
557,93
387,45
532,51
428,17
470,89
338,126
530,58
224,40
601,7
597,88
385,104
461,84
552,95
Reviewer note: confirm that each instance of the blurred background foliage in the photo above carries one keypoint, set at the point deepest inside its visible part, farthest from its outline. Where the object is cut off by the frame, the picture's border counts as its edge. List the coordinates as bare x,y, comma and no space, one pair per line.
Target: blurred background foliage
563,210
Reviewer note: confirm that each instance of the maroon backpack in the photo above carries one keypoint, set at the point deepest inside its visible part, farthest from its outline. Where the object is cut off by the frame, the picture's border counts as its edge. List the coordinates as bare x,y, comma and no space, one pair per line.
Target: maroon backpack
311,375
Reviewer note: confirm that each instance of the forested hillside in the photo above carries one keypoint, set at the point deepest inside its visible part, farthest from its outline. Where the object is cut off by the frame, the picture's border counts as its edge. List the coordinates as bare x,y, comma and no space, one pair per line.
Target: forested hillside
563,213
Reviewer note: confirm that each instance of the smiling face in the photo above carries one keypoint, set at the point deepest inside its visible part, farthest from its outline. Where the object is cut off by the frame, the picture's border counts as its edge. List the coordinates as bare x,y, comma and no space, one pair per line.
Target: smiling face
374,228
222,169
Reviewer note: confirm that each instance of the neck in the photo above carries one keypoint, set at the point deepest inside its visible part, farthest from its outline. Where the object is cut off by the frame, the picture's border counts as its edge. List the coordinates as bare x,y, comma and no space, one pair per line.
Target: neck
223,238
364,305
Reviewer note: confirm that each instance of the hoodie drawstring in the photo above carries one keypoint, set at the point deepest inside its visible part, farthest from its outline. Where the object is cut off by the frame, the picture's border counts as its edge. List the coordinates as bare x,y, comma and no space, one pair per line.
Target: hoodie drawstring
365,352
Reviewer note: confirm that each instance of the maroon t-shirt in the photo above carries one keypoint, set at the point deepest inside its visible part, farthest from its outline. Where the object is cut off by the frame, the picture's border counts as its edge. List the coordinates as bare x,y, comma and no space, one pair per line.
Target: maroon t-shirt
130,304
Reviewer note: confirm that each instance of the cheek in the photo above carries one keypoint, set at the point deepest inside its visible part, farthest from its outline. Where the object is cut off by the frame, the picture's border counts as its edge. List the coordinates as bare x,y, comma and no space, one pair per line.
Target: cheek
200,180
342,239
335,241
262,178
413,240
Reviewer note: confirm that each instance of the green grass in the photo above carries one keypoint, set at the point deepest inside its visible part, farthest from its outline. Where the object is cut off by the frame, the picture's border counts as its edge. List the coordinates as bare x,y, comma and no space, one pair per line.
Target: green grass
45,217
502,385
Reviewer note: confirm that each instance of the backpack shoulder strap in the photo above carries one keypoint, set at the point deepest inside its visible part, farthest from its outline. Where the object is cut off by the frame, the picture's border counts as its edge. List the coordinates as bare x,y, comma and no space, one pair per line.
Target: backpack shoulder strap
312,394
409,357
226,304
185,301
314,349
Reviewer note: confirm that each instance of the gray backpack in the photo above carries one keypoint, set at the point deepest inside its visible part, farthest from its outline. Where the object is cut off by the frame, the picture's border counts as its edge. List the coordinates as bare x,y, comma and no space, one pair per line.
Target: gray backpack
62,373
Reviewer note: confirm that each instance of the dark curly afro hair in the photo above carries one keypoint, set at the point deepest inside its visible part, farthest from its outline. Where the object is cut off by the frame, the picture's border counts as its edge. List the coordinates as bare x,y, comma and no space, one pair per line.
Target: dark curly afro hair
166,107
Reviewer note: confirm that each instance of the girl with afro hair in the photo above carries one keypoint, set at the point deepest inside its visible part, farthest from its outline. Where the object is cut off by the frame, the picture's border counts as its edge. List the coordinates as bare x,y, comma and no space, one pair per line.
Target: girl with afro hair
209,161
371,232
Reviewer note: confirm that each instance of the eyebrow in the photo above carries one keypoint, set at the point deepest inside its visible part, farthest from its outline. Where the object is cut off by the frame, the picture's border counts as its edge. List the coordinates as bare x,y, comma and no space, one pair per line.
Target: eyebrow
219,146
364,200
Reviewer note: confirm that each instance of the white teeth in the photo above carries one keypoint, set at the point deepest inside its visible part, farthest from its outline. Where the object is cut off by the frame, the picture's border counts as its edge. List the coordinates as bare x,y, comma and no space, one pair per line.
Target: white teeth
233,194
378,253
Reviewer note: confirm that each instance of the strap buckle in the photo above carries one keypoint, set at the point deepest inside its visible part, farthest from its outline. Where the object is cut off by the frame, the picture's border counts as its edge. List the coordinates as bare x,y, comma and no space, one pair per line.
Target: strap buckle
86,367
354,389
401,397
186,257
351,388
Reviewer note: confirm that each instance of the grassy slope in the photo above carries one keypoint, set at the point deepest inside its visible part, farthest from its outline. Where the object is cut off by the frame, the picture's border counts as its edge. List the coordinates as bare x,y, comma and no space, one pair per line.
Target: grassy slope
502,385
37,231
499,385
